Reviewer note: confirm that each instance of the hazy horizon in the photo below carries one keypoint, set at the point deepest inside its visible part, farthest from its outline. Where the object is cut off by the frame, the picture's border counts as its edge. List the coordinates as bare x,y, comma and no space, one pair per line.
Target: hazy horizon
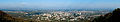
55,4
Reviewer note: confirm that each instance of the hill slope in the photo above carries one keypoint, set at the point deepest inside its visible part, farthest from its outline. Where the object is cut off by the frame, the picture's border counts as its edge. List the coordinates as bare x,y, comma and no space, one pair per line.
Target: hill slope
4,17
110,17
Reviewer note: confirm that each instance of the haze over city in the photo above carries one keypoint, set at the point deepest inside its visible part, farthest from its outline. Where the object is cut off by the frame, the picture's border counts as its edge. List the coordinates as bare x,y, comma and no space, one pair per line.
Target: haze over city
59,10
55,4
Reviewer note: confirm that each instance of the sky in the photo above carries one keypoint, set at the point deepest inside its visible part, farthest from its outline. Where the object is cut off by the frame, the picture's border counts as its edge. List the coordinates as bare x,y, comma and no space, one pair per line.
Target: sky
59,4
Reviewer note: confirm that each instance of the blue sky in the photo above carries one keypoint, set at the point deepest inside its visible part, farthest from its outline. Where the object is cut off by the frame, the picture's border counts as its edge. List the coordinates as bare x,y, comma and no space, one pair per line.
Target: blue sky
60,3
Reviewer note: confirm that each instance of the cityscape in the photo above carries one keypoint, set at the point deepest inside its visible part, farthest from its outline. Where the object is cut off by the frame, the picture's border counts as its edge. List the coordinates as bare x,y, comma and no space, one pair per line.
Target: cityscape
80,15
59,10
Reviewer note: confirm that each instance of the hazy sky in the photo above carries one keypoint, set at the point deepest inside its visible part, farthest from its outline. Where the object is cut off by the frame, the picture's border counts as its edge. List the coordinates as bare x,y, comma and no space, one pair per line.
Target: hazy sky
60,3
